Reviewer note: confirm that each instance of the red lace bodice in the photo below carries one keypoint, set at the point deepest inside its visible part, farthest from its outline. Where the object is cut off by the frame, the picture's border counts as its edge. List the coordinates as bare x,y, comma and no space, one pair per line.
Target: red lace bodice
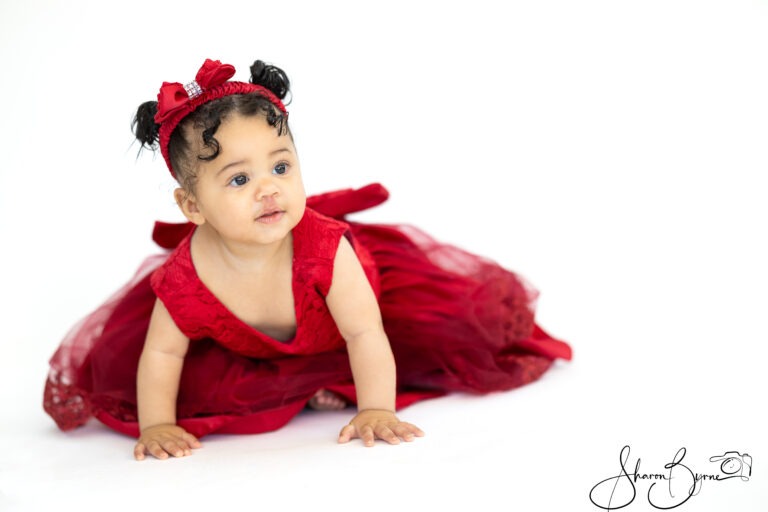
199,314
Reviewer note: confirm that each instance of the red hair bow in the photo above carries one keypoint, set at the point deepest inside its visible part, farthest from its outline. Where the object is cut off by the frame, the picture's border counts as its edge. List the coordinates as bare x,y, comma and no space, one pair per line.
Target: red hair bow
174,96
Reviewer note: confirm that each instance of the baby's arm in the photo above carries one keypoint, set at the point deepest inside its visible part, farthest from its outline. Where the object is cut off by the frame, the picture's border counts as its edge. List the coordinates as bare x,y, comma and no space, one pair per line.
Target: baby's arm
157,386
353,306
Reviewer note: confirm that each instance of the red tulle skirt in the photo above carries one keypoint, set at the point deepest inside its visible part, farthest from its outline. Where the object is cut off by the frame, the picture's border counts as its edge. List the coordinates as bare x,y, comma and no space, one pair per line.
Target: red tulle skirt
456,322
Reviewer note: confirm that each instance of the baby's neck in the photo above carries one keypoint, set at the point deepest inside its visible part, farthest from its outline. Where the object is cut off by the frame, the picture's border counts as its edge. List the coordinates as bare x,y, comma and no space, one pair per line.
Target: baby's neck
209,247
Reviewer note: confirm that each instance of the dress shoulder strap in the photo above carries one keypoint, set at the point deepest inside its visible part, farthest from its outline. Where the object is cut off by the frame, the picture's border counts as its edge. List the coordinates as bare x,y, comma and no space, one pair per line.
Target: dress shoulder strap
315,242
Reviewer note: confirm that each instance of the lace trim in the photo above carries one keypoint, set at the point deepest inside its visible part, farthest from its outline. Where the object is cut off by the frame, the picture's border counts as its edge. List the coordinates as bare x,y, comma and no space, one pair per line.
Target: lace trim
65,403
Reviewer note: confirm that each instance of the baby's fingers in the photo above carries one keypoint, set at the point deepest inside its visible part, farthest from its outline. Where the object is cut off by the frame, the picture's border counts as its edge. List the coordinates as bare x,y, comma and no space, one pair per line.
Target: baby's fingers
367,435
347,433
177,448
350,432
162,449
139,451
407,431
191,440
152,447
390,432
385,433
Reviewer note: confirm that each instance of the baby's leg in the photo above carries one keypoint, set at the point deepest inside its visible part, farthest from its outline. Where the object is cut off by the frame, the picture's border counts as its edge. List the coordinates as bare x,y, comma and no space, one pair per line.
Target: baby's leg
325,400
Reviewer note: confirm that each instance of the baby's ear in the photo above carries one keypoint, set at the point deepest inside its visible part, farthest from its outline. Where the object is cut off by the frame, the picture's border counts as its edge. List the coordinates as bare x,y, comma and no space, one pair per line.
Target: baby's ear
188,205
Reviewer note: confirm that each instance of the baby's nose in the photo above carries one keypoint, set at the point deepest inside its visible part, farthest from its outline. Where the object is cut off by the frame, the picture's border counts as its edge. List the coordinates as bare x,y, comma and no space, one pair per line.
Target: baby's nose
265,187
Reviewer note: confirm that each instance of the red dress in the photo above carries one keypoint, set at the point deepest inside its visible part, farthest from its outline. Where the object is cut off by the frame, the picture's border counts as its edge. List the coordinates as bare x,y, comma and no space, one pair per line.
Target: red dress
455,321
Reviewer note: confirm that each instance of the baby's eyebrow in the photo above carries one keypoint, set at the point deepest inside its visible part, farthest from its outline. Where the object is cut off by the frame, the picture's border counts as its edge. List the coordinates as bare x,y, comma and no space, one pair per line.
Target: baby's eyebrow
231,164
240,162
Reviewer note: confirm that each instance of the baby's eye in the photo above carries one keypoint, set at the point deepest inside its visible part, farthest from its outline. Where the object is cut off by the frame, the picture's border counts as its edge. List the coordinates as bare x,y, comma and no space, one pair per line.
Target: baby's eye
239,180
280,169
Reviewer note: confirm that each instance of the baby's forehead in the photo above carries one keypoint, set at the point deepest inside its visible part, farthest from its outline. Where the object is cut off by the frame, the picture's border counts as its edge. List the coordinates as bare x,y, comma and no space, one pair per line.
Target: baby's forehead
234,135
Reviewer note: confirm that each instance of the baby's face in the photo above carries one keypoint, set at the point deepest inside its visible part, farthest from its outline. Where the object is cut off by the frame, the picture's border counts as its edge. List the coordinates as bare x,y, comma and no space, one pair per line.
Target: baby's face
252,192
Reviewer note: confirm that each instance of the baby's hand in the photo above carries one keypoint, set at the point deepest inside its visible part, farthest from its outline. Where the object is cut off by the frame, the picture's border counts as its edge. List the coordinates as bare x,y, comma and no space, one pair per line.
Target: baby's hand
164,440
378,424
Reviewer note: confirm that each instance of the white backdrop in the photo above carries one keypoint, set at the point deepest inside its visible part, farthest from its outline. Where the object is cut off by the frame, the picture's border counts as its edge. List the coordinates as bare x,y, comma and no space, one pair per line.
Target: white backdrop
612,152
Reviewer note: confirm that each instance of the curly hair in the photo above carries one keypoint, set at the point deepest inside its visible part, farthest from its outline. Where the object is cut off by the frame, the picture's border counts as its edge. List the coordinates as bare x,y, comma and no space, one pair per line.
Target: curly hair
207,119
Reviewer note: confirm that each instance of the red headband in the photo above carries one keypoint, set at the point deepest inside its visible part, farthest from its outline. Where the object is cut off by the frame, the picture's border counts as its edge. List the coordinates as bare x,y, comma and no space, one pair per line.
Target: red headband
176,101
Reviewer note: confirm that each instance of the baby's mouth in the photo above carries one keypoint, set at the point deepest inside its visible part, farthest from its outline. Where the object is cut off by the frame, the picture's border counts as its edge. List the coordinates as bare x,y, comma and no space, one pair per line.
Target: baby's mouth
270,215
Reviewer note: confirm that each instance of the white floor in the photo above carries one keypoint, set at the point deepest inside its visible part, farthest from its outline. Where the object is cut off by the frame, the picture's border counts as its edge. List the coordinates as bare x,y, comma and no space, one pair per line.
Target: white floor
612,152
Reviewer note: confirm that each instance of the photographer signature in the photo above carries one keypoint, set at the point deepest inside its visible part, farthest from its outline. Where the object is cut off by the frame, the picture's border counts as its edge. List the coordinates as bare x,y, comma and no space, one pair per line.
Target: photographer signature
680,483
